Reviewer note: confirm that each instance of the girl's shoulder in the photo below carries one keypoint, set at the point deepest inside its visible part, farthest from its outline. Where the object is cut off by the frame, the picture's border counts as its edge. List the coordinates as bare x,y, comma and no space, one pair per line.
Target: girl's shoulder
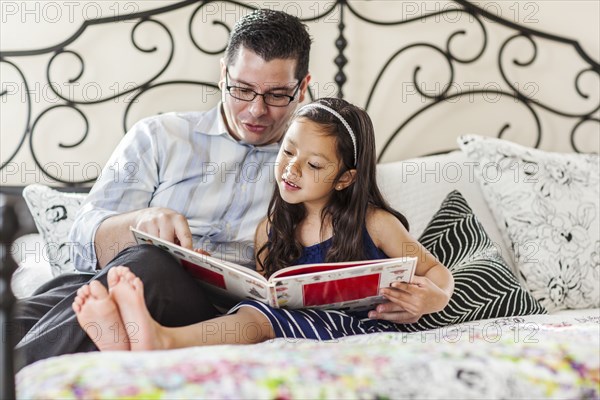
264,223
381,223
377,215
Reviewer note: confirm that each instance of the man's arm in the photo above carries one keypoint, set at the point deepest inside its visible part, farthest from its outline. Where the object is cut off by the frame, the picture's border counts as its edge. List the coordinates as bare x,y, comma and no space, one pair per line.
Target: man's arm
120,198
113,234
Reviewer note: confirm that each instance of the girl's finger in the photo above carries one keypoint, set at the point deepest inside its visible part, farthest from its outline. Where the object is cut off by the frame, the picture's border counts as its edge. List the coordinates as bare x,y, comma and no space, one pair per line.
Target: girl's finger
388,308
396,296
404,286
402,302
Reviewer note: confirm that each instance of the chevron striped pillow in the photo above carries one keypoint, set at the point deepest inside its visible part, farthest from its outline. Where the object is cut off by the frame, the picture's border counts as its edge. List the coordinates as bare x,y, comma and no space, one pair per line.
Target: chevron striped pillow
484,286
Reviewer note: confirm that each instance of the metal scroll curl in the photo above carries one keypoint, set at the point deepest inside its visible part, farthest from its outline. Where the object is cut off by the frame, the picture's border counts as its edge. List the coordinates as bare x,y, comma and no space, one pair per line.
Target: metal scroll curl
467,94
580,123
532,104
202,7
522,95
45,167
136,87
27,100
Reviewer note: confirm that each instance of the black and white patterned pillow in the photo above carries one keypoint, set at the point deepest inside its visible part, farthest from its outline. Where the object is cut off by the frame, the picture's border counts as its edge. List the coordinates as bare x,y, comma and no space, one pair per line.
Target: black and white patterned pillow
53,213
547,206
484,286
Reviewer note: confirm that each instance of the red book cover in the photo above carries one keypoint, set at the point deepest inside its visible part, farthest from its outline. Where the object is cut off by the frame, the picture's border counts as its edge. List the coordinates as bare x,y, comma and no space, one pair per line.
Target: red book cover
341,290
206,275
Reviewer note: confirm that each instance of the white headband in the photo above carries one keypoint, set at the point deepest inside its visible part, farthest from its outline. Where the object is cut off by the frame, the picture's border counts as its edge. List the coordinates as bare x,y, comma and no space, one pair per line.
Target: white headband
338,116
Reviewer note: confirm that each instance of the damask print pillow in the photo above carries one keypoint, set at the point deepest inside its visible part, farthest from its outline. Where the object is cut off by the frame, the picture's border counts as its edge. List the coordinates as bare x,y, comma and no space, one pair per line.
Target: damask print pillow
53,213
547,205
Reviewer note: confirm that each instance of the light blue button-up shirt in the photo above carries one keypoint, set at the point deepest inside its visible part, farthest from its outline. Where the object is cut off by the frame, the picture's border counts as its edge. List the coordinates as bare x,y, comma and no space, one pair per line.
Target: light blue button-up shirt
187,162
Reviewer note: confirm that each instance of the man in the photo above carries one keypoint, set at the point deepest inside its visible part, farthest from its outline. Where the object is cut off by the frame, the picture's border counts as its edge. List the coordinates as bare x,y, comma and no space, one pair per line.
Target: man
202,179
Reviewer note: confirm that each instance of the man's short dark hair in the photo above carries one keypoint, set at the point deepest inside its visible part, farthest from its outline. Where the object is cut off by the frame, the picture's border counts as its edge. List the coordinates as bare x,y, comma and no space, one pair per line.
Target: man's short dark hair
271,35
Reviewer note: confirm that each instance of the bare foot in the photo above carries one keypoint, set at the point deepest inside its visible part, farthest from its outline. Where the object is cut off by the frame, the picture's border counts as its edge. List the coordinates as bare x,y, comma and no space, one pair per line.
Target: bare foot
99,317
144,333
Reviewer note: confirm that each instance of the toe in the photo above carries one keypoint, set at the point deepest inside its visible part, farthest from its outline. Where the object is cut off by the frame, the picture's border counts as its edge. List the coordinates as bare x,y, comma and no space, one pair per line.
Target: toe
78,300
121,270
138,285
113,277
83,291
98,290
130,276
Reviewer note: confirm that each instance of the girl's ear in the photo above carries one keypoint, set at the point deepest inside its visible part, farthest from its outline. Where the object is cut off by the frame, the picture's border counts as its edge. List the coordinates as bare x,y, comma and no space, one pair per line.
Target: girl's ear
346,179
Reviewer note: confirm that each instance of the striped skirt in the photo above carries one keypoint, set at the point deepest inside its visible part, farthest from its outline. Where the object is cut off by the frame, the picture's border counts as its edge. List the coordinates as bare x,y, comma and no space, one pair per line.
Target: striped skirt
316,324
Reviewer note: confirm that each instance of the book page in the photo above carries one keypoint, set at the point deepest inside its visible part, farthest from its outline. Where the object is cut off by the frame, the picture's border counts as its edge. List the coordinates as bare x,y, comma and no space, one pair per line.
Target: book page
221,278
354,288
312,268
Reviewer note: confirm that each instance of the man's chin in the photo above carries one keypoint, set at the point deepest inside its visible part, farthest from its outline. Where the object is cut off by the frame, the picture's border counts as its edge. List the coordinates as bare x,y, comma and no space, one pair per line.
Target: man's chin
254,140
257,139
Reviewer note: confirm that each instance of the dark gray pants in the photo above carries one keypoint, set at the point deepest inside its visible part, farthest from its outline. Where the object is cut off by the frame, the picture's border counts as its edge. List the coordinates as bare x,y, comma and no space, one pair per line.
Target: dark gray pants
45,325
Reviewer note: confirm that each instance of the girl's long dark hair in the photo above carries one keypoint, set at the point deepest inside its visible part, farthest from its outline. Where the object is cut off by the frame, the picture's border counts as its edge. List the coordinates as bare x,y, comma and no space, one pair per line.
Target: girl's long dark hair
347,208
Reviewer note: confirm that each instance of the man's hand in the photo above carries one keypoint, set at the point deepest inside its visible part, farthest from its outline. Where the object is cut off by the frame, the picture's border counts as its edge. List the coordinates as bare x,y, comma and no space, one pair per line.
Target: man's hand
409,301
113,234
165,224
203,252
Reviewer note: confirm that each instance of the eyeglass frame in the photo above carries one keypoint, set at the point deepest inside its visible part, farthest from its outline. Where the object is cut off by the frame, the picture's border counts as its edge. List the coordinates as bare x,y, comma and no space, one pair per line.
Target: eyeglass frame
228,87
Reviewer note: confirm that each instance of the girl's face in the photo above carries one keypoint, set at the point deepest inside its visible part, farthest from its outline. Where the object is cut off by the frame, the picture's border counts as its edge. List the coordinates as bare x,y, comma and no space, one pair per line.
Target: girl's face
307,165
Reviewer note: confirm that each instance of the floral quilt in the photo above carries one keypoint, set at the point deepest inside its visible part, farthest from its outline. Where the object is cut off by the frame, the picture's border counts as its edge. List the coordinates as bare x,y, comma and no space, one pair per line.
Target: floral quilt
551,356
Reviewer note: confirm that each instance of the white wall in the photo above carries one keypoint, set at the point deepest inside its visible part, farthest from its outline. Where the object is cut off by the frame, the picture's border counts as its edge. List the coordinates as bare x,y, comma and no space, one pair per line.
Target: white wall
111,63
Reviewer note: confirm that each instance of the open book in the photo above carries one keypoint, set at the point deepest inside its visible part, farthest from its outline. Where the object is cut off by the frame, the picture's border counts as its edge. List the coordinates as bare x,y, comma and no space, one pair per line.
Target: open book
349,286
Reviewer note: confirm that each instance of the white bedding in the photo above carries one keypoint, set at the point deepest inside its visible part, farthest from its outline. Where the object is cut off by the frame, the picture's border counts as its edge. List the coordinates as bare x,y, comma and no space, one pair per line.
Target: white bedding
539,356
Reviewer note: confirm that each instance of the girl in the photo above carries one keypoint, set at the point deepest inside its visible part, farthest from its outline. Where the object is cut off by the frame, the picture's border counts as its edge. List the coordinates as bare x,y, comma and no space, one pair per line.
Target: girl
326,208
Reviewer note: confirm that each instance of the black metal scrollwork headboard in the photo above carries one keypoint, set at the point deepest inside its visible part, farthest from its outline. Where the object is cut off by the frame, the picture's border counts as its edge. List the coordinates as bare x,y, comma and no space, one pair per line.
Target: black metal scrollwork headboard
343,11
340,12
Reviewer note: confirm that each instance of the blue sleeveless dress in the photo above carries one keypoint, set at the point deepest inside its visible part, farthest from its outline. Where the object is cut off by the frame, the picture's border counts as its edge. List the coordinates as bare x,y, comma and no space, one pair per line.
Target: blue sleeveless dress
321,324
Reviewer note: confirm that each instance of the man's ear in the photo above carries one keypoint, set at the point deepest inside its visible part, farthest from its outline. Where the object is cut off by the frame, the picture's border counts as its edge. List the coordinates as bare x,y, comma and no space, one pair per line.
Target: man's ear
303,88
222,74
346,179
221,83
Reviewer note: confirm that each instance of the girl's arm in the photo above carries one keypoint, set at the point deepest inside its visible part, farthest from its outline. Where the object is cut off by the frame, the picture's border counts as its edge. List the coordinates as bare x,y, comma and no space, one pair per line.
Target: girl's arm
432,285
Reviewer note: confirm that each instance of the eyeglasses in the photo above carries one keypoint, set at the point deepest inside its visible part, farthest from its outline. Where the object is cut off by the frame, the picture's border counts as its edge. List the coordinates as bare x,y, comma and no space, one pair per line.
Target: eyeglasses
271,99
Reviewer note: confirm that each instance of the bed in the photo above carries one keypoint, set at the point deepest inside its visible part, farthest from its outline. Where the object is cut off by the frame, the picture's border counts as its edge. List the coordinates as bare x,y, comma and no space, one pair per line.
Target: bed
474,144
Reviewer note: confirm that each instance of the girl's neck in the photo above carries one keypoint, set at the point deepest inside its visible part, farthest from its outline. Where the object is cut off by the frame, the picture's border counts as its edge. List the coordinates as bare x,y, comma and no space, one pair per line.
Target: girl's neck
313,210
313,230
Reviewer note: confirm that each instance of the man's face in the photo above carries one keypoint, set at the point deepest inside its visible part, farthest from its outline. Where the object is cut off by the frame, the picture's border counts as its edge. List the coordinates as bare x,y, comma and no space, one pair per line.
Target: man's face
255,122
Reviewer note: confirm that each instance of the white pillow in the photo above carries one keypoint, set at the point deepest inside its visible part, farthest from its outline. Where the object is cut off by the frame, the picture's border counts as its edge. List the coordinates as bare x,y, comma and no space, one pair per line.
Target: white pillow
53,213
34,269
416,187
548,205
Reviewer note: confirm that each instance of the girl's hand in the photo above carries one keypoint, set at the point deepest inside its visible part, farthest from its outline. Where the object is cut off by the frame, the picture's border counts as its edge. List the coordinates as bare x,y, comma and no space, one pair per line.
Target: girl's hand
409,301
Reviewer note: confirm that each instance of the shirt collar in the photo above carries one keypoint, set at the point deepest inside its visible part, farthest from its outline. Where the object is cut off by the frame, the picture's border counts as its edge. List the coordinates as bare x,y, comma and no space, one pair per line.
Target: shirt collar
214,125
